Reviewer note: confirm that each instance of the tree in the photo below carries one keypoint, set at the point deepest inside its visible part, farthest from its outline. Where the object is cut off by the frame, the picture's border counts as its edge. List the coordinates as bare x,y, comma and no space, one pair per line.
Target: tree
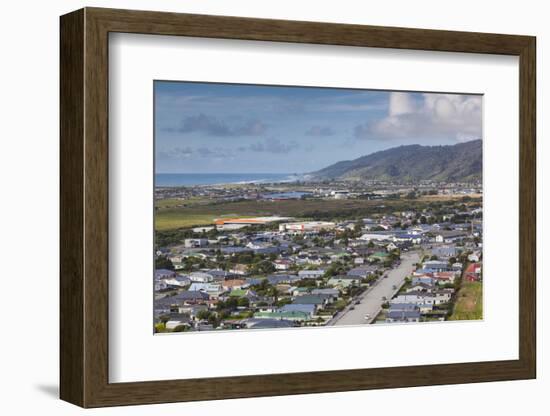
181,328
243,302
163,262
204,314
262,267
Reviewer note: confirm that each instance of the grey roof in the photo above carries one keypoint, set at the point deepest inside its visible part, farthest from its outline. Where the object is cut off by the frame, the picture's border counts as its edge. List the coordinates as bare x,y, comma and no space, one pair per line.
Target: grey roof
298,307
311,272
402,315
445,251
191,295
159,273
403,307
309,300
219,273
268,323
452,233
345,277
326,291
231,250
361,271
282,278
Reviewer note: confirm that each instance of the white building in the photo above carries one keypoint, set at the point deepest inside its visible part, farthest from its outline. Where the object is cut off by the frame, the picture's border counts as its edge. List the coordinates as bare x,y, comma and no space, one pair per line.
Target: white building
307,226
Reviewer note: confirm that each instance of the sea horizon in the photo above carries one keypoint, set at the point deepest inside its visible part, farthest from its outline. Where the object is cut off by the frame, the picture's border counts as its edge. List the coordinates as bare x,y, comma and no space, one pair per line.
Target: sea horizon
197,179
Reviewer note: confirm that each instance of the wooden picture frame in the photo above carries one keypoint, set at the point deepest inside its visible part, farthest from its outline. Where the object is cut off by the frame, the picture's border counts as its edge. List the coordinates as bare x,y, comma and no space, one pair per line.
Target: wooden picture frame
84,207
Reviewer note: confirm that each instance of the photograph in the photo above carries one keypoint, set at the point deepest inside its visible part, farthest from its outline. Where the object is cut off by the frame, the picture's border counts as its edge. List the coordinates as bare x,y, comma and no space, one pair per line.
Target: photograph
293,207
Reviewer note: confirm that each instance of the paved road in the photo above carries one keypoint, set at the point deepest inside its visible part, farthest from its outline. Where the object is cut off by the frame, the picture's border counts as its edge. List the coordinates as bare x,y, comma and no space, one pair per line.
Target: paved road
371,299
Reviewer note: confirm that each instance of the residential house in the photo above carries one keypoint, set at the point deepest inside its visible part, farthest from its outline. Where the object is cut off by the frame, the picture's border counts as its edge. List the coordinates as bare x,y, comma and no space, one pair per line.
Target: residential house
239,269
403,316
450,236
304,308
195,242
282,264
265,323
412,238
234,284
276,279
421,287
445,277
176,320
160,285
213,289
473,272
311,274
164,274
423,279
201,277
475,256
300,291
296,316
319,301
192,310
442,297
362,272
379,256
403,307
344,281
190,297
178,281
436,266
414,297
334,294
445,251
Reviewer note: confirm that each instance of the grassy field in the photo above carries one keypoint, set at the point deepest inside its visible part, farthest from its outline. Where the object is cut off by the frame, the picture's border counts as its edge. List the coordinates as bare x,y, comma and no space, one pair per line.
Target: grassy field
171,220
469,304
174,213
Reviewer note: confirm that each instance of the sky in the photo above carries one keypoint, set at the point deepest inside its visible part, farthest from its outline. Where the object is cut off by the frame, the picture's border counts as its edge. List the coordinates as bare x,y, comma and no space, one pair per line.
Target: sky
238,128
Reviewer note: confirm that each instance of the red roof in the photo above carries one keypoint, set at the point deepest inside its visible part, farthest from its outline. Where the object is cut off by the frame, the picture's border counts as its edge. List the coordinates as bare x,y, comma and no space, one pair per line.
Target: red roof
473,267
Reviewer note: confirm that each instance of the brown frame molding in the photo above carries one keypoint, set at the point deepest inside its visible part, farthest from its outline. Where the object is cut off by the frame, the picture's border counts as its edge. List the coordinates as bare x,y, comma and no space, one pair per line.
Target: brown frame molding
84,207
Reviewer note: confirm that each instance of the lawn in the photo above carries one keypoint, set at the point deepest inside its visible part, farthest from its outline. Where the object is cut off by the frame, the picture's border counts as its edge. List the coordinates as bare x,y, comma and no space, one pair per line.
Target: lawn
171,220
469,303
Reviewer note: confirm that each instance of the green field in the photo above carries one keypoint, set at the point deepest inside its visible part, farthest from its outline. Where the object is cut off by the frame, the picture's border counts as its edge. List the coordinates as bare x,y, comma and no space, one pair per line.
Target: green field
171,220
469,303
176,213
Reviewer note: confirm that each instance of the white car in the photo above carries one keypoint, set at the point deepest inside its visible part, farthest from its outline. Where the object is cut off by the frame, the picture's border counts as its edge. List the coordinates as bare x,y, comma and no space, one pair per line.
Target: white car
367,316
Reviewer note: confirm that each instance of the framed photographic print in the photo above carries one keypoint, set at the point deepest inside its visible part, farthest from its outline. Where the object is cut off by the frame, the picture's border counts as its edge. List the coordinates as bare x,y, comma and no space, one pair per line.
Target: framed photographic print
255,207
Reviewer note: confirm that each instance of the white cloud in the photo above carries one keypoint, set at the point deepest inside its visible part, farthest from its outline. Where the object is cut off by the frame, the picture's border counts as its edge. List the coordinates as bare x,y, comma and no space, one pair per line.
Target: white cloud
400,103
434,116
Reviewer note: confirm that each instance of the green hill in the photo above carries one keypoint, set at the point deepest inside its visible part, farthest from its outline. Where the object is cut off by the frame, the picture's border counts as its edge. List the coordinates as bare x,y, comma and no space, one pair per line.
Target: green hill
459,162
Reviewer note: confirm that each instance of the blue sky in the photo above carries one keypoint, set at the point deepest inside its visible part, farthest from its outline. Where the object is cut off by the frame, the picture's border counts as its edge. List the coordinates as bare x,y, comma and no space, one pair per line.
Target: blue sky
236,128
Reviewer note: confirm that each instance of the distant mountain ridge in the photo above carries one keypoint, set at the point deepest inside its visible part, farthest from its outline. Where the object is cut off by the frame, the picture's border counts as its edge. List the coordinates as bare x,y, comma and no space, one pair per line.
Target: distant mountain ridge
459,162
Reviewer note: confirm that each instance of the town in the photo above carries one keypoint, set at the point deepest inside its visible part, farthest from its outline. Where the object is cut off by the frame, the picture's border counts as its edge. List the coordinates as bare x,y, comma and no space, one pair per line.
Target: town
310,254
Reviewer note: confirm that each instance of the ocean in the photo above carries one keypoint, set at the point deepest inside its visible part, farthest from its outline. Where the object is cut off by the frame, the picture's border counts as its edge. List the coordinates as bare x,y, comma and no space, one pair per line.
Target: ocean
194,179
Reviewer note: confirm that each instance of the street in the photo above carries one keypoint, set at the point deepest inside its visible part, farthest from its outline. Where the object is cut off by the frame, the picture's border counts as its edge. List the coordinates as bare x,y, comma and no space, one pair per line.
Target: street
371,299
